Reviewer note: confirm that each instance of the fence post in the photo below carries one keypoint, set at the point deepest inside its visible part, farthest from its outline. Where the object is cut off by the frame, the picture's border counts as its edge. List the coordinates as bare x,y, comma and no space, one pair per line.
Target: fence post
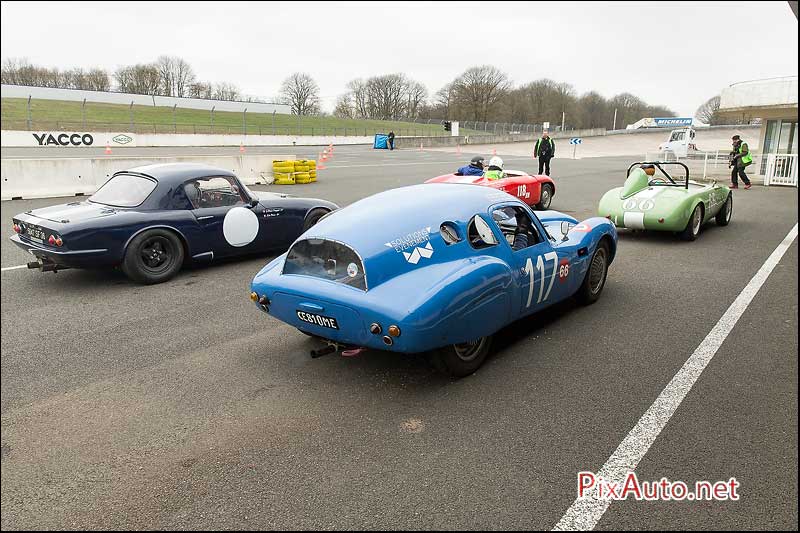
273,122
29,112
174,118
83,114
212,118
244,122
705,164
131,111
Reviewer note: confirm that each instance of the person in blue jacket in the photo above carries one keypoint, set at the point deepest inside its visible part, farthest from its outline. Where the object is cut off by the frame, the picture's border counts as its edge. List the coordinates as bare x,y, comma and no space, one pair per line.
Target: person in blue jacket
475,167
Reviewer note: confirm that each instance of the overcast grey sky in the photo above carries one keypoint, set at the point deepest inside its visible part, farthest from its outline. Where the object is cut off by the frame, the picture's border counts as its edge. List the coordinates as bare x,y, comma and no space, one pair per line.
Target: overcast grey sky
676,54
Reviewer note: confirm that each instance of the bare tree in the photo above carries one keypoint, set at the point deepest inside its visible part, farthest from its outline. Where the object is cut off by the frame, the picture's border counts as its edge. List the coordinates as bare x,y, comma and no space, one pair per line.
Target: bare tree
479,89
226,91
344,106
176,75
708,113
201,90
416,95
301,92
139,79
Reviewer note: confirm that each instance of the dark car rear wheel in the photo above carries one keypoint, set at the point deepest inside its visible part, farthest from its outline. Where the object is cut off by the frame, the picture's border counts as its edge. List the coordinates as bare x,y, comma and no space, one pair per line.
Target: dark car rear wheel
313,217
463,359
693,226
153,256
545,198
724,216
592,286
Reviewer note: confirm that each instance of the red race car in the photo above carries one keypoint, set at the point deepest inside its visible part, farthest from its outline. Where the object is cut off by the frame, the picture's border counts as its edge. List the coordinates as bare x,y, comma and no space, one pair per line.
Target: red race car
536,191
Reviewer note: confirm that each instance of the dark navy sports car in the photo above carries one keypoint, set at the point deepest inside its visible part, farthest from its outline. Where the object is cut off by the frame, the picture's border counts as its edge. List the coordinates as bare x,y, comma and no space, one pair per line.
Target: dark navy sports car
151,219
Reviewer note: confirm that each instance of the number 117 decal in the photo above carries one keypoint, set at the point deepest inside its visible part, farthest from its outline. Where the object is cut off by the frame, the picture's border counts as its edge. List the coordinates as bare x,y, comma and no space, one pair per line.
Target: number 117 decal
549,256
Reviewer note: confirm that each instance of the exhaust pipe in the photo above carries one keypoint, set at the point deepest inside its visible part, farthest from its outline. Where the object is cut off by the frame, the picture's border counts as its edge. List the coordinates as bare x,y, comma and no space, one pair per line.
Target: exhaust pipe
46,266
323,351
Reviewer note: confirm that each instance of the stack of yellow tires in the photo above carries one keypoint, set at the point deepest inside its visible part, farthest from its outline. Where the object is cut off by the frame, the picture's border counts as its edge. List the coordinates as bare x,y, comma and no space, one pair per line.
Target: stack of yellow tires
290,172
283,172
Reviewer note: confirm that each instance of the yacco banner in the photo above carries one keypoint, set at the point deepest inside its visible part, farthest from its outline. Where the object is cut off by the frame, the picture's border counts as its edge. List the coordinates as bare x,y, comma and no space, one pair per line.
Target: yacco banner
672,121
79,138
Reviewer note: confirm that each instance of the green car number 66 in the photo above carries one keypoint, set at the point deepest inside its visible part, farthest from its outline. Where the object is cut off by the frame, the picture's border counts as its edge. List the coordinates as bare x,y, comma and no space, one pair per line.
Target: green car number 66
648,201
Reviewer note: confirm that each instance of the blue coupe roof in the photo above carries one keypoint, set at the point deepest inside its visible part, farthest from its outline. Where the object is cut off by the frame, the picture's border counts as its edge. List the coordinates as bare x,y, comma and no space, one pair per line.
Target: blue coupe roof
367,225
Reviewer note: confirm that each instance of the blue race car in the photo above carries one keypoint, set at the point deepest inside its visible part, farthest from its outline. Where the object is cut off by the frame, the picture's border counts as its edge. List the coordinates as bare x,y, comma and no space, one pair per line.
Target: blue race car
433,267
150,219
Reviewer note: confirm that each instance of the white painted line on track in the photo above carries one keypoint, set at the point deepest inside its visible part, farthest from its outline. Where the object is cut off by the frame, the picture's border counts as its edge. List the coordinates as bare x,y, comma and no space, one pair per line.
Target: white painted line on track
13,268
584,513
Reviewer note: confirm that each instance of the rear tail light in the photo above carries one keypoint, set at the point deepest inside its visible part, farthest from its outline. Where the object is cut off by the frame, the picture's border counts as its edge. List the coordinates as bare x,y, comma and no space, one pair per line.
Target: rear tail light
59,242
51,240
17,229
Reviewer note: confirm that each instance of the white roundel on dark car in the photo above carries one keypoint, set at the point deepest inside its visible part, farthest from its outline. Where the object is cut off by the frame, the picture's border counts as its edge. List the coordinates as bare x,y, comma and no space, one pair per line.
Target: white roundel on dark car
240,226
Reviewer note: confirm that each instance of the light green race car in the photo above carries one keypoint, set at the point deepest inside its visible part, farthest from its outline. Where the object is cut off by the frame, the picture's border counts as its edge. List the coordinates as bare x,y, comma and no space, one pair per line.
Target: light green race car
658,202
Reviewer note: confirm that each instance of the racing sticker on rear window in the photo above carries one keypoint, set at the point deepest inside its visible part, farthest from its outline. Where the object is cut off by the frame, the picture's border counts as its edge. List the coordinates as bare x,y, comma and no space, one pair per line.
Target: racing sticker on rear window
414,246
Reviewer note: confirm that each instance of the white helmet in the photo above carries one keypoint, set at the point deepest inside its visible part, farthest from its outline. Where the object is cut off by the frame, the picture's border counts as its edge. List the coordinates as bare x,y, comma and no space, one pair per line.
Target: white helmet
496,162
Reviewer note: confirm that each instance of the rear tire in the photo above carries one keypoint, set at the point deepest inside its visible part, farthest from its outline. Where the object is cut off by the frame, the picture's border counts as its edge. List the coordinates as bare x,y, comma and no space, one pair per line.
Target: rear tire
153,256
545,198
693,225
724,216
595,279
460,360
313,217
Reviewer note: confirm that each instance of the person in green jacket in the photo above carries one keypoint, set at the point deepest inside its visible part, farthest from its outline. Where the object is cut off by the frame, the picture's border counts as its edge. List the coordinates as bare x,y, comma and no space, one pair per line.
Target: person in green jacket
740,159
545,149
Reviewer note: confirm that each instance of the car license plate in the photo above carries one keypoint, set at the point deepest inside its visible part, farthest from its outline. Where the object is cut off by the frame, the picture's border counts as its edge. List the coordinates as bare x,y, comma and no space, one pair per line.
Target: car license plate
35,232
317,320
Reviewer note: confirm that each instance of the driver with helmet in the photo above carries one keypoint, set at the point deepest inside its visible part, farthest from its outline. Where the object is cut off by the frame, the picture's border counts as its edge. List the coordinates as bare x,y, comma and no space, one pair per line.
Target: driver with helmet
495,170
475,167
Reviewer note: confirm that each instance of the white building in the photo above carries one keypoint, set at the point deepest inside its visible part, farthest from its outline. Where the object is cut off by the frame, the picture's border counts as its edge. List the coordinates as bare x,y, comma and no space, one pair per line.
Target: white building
774,101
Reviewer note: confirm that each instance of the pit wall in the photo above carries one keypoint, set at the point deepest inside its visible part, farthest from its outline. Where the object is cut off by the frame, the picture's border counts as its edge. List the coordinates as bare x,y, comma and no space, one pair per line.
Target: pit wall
44,178
116,139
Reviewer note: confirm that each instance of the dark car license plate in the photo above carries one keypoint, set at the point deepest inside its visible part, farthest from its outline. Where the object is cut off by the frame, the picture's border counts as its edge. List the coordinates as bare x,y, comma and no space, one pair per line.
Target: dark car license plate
35,232
317,320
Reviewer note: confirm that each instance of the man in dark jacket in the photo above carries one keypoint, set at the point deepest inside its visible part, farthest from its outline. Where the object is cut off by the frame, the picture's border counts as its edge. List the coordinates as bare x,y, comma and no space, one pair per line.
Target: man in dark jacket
391,140
545,149
475,167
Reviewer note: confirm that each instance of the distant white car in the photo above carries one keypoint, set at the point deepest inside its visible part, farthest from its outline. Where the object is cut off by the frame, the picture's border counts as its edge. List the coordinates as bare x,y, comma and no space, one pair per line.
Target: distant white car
680,143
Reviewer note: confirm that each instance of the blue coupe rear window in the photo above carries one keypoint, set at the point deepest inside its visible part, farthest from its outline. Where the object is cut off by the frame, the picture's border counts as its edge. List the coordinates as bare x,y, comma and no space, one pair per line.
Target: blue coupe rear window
124,190
326,259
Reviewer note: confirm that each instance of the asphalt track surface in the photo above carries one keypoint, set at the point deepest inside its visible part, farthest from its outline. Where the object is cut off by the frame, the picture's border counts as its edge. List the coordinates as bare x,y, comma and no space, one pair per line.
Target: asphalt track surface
180,406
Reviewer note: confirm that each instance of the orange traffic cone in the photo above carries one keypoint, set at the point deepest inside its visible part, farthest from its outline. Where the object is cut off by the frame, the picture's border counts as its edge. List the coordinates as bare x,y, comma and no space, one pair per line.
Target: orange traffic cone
421,149
108,149
321,164
494,151
458,149
241,148
324,155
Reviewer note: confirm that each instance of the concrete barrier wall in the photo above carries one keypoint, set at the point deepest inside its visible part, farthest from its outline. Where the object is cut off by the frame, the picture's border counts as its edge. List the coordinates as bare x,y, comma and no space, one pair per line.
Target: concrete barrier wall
77,95
414,142
29,138
44,178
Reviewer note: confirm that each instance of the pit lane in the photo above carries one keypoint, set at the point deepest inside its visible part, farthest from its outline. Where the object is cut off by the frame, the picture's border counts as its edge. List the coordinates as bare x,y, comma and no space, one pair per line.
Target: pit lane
181,406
